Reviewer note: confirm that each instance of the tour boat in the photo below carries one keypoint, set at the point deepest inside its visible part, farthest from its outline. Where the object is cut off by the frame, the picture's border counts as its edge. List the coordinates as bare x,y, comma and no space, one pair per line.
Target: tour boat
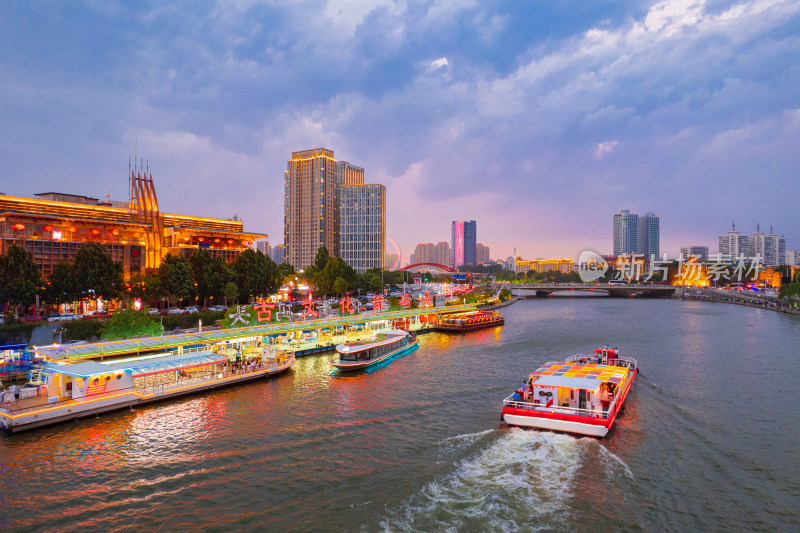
382,346
582,395
60,392
469,321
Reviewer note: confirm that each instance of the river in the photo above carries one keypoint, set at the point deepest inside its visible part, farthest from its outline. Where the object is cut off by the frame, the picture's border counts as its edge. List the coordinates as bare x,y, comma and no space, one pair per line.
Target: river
707,441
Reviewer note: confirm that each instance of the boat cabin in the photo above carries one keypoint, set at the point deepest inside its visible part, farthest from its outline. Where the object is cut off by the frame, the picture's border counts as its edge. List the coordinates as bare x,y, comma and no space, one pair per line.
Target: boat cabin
143,374
378,345
588,389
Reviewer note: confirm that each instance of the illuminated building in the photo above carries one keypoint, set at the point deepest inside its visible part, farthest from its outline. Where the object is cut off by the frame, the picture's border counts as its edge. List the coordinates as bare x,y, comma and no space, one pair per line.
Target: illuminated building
770,248
362,225
565,266
626,233
463,241
309,205
53,226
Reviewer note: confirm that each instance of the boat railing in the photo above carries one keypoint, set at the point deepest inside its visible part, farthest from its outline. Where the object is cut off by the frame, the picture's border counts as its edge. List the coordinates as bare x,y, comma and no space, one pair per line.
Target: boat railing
591,413
627,362
6,405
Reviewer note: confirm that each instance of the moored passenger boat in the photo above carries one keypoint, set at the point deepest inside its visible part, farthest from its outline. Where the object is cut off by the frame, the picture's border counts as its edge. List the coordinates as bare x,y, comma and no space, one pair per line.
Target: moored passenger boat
70,391
582,395
382,346
469,321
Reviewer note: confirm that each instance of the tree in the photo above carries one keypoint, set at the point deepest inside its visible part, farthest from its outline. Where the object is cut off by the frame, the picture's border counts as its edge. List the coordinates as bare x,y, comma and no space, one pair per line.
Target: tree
336,268
176,278
231,292
256,275
197,263
20,277
97,274
129,323
216,276
144,286
340,286
285,270
322,257
63,286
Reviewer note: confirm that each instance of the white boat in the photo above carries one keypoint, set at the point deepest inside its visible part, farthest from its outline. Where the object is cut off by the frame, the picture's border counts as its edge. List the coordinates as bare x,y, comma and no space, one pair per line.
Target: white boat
380,347
582,395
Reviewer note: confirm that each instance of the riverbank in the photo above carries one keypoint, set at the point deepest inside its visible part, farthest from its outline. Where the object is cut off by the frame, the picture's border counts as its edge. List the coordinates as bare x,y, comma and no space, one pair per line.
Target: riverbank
739,298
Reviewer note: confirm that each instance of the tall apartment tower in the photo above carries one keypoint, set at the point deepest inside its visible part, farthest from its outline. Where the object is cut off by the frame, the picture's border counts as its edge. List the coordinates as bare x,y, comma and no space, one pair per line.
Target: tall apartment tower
425,253
309,205
463,241
649,235
362,225
626,233
442,253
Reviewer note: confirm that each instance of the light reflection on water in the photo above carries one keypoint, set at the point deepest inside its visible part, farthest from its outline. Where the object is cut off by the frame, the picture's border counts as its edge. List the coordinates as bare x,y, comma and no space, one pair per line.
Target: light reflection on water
418,443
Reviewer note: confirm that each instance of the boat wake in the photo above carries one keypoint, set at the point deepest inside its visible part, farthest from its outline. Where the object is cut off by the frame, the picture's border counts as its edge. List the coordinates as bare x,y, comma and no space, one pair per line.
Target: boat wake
523,480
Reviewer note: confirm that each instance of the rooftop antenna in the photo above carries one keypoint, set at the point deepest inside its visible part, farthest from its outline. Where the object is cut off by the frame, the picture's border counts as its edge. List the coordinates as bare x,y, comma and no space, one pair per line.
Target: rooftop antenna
770,230
733,226
758,227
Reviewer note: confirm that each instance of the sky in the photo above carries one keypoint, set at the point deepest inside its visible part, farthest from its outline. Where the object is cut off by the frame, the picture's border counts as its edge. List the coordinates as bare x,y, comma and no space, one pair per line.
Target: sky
539,120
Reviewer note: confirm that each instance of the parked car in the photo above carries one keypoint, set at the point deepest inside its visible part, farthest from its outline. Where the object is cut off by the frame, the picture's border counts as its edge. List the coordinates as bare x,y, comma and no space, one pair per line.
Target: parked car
217,308
31,318
70,316
153,311
191,309
97,314
173,311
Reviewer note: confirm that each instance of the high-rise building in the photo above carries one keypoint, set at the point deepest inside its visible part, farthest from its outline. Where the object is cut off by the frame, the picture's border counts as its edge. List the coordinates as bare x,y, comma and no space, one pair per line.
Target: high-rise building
349,174
793,257
463,239
649,238
425,253
482,253
362,225
441,255
770,248
309,205
262,245
626,233
278,254
700,252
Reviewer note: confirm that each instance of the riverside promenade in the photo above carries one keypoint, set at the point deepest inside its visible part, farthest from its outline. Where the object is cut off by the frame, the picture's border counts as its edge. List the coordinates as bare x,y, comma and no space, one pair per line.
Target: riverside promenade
746,298
296,336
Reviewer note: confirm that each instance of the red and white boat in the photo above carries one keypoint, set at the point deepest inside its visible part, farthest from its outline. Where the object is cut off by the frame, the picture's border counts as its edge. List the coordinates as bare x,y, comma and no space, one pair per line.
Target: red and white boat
581,395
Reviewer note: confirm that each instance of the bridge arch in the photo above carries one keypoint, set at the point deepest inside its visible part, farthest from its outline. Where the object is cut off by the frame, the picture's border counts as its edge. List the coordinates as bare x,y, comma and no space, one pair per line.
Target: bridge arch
435,265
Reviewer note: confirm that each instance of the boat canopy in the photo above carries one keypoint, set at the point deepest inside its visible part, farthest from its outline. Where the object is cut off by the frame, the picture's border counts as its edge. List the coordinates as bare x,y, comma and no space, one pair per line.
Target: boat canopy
144,367
577,376
383,337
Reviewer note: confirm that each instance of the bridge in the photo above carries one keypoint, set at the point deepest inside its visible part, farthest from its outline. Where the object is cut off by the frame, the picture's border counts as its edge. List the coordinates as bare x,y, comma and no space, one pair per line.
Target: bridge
609,289
429,267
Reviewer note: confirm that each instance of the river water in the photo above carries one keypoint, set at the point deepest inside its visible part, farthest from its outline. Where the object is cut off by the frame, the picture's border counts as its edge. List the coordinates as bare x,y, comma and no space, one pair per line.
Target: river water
707,441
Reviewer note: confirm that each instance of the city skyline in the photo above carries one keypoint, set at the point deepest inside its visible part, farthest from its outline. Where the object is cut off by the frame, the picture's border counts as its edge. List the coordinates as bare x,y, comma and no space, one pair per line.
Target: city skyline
516,115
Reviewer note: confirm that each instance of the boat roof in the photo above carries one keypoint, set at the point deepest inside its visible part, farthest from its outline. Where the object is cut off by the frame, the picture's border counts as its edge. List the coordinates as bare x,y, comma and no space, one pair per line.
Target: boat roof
578,376
385,336
148,365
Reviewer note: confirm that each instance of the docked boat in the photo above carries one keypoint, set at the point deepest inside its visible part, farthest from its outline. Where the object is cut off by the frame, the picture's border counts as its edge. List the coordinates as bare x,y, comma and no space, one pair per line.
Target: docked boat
60,392
380,347
582,395
469,321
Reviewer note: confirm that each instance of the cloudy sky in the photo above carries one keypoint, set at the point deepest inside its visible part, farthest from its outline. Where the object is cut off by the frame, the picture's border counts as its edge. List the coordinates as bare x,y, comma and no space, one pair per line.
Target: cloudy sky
539,120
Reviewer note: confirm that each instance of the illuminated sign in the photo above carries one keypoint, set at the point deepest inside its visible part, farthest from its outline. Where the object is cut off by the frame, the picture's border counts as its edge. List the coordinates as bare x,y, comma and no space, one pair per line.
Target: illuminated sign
56,235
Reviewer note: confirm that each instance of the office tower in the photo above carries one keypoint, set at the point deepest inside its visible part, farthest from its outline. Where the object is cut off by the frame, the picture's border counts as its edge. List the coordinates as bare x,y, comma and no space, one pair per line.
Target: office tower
262,245
362,225
441,255
793,257
699,252
309,203
648,237
626,233
463,239
278,254
482,253
733,245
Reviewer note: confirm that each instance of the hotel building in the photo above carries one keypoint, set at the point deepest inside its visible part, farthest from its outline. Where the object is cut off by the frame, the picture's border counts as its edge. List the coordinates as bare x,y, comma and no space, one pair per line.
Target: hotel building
53,226
362,225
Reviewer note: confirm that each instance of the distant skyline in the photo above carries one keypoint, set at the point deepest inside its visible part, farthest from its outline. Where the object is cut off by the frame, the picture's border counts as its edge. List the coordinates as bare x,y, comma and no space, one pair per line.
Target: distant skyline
538,120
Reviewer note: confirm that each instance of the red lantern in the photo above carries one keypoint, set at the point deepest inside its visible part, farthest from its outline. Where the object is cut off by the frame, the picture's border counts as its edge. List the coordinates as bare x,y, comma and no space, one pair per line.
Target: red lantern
48,228
95,231
19,226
